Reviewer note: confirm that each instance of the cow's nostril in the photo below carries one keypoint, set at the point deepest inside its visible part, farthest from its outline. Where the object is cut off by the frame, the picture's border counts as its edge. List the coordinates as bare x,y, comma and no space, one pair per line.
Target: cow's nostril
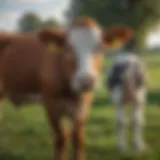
86,82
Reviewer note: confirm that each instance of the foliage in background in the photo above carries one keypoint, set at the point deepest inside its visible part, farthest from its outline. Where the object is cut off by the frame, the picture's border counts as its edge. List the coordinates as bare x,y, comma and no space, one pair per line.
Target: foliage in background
141,15
50,22
30,21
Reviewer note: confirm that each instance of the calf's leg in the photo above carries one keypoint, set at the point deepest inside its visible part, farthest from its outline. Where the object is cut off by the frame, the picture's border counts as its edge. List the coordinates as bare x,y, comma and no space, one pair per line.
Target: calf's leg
138,122
121,128
138,119
116,94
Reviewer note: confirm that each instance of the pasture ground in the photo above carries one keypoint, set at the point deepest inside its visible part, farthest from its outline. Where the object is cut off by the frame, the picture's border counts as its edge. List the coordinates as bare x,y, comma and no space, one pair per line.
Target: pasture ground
25,134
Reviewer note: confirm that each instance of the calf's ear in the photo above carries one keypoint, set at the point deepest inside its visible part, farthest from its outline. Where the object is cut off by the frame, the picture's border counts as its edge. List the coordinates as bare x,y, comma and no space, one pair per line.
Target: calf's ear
117,36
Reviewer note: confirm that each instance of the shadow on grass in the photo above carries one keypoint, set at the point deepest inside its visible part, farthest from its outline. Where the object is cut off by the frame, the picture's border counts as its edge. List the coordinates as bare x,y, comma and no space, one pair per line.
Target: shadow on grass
153,98
11,156
153,64
101,101
102,153
111,153
97,127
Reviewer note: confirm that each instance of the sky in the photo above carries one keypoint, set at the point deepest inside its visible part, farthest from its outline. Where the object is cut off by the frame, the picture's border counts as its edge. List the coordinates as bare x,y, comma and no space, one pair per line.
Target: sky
153,39
12,10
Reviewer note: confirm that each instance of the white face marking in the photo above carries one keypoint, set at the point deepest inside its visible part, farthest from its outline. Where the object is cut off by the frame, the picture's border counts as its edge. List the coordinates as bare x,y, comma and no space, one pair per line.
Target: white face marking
84,41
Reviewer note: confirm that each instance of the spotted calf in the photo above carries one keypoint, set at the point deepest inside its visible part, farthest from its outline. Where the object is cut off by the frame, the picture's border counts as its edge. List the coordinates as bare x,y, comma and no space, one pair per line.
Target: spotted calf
127,85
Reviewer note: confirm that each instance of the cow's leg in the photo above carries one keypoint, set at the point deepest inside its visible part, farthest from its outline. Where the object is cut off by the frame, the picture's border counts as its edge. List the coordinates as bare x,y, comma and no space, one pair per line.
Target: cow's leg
79,118
60,141
121,128
59,132
78,141
138,121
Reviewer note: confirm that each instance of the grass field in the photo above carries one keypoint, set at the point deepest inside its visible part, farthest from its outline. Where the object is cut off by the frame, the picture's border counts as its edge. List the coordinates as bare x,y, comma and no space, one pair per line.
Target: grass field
25,134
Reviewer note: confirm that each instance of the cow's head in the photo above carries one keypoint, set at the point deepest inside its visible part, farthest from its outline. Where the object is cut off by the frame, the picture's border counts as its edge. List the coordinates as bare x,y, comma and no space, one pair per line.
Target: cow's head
88,39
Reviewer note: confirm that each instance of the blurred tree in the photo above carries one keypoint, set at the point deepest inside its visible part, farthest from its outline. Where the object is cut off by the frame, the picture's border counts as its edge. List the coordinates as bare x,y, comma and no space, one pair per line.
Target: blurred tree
50,22
141,15
29,22
74,10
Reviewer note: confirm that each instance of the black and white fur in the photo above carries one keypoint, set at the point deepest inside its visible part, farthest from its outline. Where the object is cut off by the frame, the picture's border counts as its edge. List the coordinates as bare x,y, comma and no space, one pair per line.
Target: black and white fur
128,72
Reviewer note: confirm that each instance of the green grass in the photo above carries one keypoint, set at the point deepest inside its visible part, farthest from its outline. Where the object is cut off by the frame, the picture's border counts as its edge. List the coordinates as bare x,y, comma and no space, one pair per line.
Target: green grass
25,134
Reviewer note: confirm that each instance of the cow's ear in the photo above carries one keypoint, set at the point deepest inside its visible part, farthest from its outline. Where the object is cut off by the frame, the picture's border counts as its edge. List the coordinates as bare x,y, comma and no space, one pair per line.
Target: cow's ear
117,36
54,36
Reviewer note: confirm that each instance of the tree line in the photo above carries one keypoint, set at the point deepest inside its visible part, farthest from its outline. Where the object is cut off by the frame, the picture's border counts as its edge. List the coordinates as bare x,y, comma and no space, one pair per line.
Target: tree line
30,21
142,15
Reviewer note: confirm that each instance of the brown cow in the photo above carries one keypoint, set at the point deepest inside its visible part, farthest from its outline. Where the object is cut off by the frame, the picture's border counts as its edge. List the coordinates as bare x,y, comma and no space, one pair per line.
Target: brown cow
63,75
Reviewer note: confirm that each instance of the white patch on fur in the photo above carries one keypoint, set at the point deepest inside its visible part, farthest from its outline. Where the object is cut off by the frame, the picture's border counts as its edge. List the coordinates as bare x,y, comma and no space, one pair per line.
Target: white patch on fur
121,127
123,58
116,95
84,41
141,95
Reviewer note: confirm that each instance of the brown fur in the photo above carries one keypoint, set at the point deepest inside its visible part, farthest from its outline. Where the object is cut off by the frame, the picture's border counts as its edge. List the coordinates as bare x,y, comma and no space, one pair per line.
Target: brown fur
53,34
85,22
121,33
28,67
